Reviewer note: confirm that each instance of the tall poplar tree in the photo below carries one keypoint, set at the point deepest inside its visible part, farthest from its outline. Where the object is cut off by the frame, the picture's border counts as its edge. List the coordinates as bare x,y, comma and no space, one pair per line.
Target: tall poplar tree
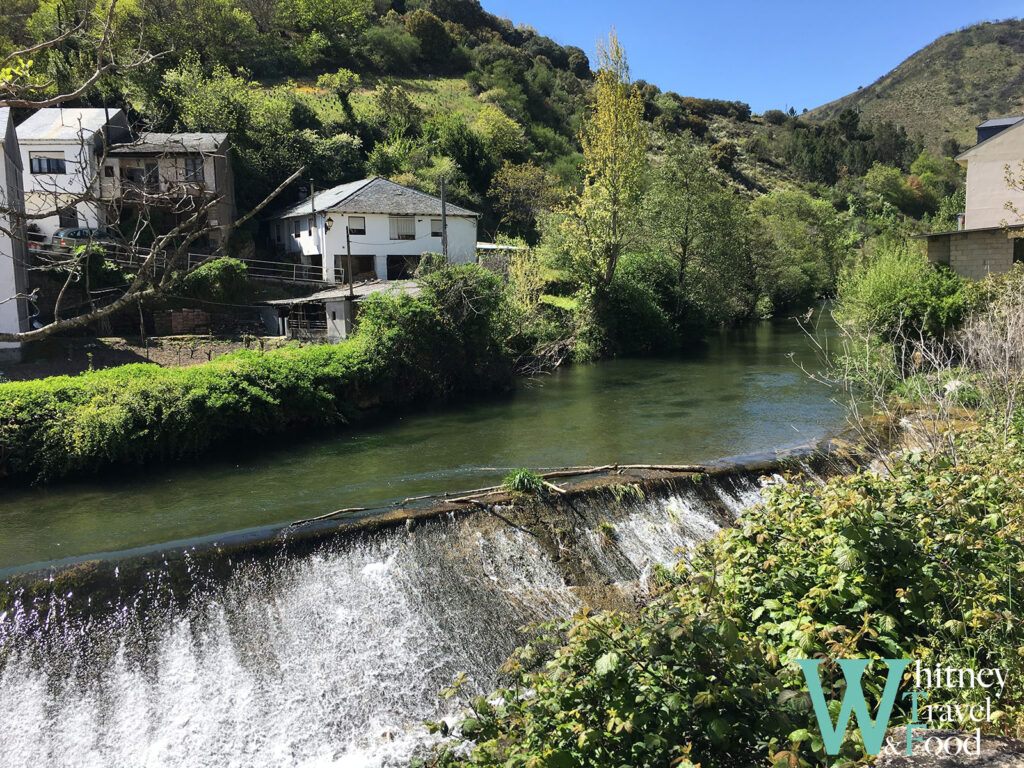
604,219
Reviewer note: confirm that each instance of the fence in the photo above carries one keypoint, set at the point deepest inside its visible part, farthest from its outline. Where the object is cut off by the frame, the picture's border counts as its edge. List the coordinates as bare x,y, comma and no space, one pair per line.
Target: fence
134,258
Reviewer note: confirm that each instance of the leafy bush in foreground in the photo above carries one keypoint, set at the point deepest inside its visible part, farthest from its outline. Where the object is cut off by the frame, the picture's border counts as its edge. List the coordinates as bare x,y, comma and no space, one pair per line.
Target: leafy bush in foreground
924,564
406,350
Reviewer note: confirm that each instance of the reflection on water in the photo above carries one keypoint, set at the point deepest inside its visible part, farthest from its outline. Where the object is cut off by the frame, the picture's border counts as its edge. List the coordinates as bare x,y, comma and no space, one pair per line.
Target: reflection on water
742,393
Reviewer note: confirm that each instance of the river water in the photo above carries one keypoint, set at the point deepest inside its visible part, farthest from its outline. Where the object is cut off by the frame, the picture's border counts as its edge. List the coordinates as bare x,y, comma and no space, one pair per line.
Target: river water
336,658
743,393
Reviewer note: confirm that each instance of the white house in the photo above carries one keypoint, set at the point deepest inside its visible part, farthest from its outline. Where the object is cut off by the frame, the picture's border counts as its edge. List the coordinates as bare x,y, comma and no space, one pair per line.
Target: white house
13,274
389,226
60,152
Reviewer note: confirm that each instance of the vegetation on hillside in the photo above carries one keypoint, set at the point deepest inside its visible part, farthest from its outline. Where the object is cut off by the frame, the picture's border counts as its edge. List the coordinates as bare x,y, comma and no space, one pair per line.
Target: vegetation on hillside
944,90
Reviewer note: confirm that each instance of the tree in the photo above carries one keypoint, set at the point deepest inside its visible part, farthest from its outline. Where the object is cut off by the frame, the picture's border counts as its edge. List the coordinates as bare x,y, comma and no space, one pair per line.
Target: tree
604,218
691,216
522,193
806,245
503,136
435,42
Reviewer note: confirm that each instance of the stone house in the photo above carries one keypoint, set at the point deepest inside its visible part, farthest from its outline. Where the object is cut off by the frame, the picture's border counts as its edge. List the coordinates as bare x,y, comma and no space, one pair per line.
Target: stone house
990,237
388,225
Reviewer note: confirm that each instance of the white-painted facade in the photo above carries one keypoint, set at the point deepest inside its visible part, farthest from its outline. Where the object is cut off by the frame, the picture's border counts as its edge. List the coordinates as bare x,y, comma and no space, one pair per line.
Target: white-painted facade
13,274
385,246
60,151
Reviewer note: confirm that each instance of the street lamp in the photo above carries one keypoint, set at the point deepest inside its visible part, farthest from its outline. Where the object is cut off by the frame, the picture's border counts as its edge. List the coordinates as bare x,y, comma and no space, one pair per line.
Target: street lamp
329,223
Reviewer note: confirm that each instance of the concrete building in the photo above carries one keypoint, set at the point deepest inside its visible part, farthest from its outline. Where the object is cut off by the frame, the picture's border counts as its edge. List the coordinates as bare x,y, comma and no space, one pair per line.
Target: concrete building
161,168
60,152
84,166
14,313
389,226
990,237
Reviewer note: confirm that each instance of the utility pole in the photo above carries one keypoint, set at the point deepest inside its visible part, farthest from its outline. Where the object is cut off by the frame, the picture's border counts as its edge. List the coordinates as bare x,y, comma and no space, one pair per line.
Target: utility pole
444,222
348,258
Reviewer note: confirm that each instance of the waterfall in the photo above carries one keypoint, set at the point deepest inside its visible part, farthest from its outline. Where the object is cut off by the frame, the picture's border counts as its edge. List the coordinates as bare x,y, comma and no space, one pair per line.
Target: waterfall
329,659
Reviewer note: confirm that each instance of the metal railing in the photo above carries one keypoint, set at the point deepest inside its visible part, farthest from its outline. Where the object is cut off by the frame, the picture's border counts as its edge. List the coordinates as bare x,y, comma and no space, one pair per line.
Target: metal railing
46,257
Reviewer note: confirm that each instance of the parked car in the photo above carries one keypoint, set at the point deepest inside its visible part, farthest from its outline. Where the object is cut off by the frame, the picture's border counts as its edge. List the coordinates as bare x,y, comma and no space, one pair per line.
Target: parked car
66,240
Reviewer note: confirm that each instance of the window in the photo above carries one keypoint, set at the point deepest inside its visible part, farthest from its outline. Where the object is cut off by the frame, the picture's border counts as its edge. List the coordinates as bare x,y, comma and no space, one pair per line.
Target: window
435,228
277,232
194,169
403,227
309,226
67,218
1018,250
357,225
108,171
47,162
295,227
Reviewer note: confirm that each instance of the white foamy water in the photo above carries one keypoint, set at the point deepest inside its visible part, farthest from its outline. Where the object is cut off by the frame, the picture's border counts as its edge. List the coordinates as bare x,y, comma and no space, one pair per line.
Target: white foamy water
333,659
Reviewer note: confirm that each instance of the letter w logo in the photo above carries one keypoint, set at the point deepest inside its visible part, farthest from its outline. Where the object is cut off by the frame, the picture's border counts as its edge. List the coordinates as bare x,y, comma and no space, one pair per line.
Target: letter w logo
853,700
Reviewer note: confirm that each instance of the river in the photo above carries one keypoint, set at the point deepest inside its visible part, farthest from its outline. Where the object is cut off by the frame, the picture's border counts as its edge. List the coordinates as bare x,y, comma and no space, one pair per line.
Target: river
335,658
744,392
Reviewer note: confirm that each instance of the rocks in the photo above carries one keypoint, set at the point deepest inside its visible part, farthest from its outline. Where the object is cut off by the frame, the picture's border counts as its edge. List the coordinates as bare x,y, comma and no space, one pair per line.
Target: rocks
996,752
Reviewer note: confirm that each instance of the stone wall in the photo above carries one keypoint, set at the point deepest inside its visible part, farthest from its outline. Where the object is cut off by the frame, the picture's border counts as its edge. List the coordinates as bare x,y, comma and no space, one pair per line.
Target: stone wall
973,254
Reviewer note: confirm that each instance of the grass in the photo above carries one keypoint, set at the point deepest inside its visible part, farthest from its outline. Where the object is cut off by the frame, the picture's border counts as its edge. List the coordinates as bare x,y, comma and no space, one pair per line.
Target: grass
432,94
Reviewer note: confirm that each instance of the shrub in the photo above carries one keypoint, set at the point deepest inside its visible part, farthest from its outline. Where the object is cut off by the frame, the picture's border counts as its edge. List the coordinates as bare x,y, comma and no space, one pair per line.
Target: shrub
914,564
897,292
224,280
524,481
406,350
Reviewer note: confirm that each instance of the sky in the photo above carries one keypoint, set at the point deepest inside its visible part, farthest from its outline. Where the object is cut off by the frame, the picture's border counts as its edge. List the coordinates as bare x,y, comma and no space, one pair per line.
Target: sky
772,54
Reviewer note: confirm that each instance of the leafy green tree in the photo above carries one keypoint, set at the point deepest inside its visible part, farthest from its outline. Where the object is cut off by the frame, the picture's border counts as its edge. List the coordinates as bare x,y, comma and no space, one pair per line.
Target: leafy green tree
805,245
337,19
694,219
435,42
521,194
502,135
604,219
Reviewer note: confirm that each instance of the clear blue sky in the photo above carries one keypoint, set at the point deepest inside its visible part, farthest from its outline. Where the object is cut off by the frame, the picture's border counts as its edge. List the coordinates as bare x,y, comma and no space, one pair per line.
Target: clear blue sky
770,54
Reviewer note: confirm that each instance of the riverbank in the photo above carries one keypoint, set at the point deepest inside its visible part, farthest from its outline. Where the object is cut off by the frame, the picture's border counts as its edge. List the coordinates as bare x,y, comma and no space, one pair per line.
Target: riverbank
408,350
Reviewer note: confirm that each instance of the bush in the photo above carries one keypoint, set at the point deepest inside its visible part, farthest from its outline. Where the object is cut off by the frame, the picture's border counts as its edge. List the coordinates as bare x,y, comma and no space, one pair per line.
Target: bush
896,292
914,564
405,351
223,280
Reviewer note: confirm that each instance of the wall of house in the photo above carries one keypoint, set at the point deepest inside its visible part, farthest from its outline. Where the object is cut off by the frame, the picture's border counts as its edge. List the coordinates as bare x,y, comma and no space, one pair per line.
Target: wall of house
217,180
338,325
377,242
13,272
45,192
977,254
987,190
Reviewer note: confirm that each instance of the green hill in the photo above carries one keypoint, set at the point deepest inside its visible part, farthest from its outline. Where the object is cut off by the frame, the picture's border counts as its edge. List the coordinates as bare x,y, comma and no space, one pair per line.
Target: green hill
944,90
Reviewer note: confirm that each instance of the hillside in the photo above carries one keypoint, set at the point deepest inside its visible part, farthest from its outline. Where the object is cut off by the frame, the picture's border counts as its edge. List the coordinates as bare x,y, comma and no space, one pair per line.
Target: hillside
944,90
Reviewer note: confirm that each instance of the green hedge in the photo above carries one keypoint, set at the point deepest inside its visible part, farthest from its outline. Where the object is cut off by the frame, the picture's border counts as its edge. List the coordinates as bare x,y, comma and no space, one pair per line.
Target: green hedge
407,350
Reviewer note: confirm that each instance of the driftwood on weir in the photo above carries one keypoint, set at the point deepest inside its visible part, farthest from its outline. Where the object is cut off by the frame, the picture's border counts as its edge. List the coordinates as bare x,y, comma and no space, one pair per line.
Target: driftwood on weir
475,495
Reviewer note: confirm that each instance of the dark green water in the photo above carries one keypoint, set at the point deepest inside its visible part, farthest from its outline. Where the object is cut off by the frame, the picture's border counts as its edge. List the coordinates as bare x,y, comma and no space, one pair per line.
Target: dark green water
744,393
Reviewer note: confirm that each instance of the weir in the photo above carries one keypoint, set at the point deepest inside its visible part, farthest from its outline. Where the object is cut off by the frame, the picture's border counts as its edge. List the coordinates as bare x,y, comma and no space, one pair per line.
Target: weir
328,644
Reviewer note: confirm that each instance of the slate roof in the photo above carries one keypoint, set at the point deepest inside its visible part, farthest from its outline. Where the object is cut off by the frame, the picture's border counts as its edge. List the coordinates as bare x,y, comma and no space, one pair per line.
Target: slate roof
375,195
7,131
996,121
163,143
64,124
